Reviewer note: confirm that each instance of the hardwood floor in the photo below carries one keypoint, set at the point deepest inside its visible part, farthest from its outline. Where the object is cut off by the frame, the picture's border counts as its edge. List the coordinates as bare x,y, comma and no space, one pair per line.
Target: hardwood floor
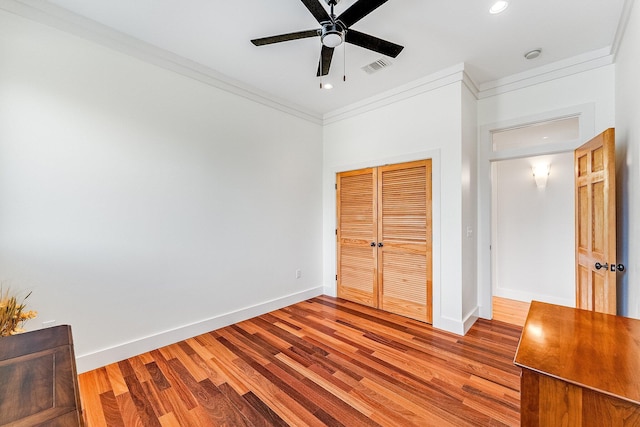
510,311
324,361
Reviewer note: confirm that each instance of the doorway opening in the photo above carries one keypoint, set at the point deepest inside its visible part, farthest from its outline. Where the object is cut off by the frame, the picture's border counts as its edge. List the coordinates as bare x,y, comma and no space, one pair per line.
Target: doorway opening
529,220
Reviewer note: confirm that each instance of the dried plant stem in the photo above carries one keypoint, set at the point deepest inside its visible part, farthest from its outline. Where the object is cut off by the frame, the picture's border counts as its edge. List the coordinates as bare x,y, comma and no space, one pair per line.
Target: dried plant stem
13,313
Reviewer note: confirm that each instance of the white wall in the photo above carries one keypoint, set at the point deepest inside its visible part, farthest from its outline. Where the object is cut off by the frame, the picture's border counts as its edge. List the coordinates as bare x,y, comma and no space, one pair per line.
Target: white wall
534,231
628,164
426,125
141,206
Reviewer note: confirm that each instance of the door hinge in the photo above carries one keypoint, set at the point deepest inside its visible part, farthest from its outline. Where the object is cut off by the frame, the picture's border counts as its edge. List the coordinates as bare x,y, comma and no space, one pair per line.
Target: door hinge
336,277
336,231
336,186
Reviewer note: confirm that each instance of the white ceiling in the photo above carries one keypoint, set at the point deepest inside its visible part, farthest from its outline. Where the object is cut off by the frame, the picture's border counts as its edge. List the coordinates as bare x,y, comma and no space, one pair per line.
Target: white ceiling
436,34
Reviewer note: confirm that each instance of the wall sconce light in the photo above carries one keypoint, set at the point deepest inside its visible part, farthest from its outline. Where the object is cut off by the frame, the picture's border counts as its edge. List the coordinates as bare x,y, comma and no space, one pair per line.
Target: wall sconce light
541,173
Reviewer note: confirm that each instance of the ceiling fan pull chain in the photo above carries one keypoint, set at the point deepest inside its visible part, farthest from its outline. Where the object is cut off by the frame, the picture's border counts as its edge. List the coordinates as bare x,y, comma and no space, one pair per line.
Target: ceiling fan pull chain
344,62
321,76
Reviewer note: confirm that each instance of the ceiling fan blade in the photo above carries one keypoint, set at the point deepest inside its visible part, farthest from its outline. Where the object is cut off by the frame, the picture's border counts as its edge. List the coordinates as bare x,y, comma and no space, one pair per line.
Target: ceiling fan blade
359,10
325,60
285,37
373,43
317,10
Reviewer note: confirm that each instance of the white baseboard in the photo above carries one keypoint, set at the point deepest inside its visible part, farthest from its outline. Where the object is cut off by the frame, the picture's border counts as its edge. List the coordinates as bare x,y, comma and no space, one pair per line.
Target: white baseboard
456,326
470,319
90,361
519,295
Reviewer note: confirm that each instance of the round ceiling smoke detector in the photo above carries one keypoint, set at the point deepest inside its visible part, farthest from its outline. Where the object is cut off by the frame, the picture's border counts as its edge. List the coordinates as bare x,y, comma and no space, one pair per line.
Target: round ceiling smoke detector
533,54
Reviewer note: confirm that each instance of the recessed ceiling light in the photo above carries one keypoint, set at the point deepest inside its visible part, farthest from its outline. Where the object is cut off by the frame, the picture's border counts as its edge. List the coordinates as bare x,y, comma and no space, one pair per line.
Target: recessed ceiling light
499,6
533,54
327,86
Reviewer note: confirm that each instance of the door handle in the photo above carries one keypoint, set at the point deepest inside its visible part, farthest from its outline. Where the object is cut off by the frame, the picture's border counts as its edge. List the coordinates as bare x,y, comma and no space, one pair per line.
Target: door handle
380,244
612,267
373,244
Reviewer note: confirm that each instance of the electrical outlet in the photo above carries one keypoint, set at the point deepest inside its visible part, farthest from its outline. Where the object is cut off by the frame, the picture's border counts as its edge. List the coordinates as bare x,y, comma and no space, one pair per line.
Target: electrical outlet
298,274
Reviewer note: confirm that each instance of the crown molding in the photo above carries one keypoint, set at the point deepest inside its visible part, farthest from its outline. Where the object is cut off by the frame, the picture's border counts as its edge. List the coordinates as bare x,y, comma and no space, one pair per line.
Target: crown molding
556,70
53,16
622,26
426,84
45,13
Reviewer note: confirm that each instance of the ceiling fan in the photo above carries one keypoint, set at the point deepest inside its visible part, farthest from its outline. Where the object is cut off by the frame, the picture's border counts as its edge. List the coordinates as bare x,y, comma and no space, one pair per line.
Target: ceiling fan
336,30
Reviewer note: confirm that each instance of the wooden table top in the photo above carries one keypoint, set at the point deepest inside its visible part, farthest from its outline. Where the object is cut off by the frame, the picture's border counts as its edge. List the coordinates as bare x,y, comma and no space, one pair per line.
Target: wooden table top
593,350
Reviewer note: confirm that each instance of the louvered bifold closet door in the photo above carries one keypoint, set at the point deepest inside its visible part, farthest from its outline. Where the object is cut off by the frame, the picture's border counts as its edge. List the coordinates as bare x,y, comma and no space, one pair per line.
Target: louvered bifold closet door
404,230
356,232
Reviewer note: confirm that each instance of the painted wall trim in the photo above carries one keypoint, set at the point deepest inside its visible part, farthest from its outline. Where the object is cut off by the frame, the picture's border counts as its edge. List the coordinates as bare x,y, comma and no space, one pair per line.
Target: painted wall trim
622,27
61,19
426,84
556,70
518,295
459,327
470,319
90,361
577,64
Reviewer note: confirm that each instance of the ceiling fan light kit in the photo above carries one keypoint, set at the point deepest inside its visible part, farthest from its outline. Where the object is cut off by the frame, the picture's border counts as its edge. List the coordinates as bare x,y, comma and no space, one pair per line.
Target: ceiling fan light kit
332,35
335,30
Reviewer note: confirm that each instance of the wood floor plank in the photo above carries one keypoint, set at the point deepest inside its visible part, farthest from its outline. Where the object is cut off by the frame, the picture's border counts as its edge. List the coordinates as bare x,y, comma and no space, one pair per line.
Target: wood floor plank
116,379
92,406
321,362
112,414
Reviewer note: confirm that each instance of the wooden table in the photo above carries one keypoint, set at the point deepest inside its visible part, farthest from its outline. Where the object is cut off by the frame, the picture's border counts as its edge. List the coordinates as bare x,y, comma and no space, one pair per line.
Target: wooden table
38,380
579,368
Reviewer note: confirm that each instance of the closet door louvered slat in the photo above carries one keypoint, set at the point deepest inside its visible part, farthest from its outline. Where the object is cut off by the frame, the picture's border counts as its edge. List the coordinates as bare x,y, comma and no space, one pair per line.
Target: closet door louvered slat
404,228
357,229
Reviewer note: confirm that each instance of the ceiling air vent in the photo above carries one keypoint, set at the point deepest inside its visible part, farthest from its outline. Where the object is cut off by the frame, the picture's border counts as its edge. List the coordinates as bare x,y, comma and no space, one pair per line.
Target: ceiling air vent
376,66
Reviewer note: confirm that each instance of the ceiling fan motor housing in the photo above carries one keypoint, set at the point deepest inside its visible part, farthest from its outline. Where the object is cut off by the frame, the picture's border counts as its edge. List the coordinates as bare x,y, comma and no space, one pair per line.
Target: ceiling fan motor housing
332,34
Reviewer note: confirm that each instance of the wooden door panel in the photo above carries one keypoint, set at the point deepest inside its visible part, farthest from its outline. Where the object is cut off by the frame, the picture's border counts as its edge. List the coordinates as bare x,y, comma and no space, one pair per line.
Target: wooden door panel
596,224
357,229
599,232
583,290
405,285
357,274
404,229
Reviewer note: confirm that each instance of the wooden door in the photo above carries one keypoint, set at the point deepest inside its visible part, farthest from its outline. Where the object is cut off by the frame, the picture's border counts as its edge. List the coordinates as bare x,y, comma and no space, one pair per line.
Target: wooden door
384,238
596,224
357,236
404,235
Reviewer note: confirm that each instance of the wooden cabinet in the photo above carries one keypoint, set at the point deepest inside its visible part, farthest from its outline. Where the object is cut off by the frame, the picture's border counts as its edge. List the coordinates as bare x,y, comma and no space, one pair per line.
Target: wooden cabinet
579,368
384,238
38,380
